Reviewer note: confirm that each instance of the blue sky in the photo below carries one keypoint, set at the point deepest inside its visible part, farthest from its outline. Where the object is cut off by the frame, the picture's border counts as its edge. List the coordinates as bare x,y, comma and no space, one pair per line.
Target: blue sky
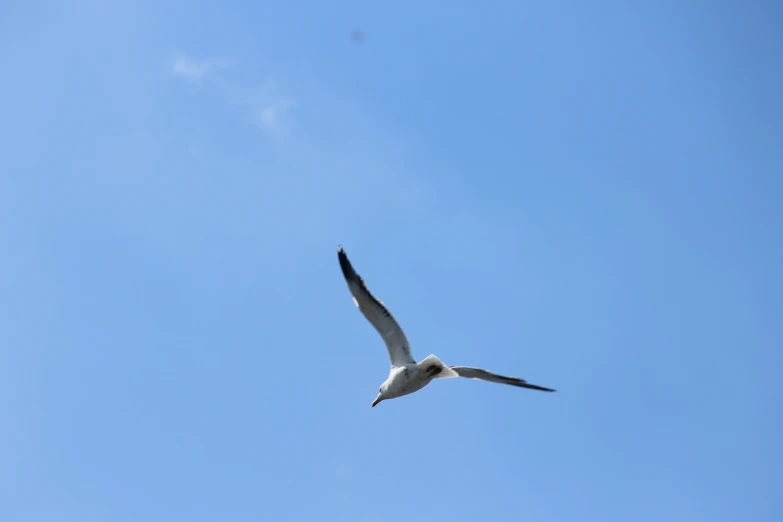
584,195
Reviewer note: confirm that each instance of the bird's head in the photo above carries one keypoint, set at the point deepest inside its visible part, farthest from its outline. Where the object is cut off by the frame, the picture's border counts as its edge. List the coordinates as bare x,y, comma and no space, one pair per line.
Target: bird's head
381,396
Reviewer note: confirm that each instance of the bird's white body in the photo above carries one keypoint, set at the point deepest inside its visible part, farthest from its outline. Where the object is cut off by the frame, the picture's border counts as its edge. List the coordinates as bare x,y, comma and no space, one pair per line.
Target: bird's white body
404,380
406,375
409,378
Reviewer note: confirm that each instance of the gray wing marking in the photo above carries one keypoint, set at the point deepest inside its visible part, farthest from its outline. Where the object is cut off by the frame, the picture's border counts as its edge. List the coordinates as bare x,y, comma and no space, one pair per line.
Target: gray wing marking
377,314
484,375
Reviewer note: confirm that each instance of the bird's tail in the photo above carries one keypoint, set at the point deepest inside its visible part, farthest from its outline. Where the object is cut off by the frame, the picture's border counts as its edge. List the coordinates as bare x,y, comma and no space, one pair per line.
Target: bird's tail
434,367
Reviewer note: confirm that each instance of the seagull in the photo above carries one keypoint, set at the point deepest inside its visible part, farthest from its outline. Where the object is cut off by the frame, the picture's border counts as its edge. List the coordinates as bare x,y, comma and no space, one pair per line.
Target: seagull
406,375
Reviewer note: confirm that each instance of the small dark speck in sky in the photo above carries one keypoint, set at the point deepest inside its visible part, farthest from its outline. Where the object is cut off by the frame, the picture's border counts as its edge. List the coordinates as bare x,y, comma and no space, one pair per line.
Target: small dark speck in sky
358,36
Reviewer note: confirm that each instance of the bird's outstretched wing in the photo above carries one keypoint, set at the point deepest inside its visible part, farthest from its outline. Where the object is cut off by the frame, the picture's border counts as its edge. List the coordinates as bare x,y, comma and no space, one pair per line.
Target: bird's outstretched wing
378,315
478,373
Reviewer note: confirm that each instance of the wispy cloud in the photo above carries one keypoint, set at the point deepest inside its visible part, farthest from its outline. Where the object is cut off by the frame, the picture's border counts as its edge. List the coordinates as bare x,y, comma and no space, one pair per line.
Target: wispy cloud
196,69
272,116
272,109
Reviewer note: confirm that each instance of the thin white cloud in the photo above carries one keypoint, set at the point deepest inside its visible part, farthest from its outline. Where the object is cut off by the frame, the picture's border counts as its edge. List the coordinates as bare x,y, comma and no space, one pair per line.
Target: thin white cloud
272,117
269,108
272,110
195,69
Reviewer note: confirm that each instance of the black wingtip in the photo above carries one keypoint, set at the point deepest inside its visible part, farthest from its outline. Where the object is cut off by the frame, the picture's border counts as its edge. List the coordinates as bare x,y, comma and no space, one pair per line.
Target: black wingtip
525,384
348,272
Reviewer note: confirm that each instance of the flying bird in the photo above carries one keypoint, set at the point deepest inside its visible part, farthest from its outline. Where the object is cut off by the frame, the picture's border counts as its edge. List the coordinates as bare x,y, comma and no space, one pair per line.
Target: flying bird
406,375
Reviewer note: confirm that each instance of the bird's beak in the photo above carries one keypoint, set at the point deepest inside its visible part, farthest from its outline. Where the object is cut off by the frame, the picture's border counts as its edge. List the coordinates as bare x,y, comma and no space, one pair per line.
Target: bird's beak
376,401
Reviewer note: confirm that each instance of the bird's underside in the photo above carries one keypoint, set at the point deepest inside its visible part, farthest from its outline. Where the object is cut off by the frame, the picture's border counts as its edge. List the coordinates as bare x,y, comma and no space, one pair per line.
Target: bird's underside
397,344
